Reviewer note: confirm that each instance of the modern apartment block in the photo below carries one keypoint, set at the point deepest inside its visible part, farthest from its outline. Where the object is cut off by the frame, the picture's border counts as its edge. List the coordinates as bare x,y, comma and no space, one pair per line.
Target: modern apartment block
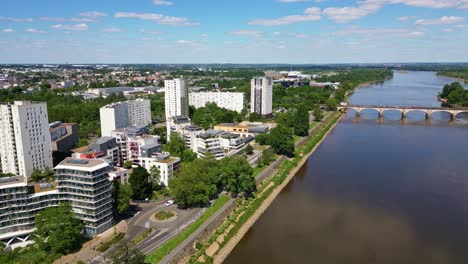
124,114
24,138
261,96
228,100
63,136
84,183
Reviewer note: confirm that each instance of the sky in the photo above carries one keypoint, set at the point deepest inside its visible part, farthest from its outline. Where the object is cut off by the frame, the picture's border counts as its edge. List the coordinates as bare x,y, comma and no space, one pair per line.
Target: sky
233,31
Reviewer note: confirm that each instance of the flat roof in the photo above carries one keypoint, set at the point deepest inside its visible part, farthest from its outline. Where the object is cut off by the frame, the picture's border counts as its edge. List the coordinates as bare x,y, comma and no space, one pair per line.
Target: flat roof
82,164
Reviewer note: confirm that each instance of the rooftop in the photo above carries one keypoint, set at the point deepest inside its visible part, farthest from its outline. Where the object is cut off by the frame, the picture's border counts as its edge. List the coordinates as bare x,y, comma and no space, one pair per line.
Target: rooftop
83,164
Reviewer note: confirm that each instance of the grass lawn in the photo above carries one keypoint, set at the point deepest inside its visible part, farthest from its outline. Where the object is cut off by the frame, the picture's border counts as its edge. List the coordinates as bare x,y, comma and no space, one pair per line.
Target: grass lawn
157,255
314,123
163,215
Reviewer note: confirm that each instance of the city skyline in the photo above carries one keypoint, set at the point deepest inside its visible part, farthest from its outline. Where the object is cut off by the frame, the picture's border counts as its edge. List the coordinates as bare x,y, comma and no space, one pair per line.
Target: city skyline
264,31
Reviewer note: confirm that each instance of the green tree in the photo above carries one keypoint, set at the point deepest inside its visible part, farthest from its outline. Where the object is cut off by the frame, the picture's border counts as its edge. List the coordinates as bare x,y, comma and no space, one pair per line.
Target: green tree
318,115
140,183
126,254
266,158
155,176
48,174
281,140
237,176
301,121
196,183
57,229
128,164
122,195
176,146
331,104
249,149
162,133
36,175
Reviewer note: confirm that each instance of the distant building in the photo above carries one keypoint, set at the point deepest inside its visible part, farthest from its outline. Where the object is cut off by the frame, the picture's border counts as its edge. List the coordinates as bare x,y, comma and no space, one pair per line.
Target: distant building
124,114
67,84
261,96
24,138
228,100
176,99
63,136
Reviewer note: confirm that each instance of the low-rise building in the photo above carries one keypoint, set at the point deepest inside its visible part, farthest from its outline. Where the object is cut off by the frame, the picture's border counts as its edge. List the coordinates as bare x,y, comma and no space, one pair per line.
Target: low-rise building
63,136
166,164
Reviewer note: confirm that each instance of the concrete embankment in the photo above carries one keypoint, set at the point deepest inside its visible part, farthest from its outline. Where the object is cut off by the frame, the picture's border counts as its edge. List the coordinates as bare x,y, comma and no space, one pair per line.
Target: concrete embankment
229,247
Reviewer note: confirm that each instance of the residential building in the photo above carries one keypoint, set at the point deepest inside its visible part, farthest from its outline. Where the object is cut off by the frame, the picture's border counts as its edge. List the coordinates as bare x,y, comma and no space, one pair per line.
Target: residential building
176,101
176,98
261,96
218,143
25,142
228,100
243,131
124,114
85,185
108,147
166,164
63,136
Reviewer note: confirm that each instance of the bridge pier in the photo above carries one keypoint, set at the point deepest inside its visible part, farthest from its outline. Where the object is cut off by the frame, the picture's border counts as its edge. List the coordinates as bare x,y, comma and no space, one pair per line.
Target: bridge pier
381,113
428,114
403,114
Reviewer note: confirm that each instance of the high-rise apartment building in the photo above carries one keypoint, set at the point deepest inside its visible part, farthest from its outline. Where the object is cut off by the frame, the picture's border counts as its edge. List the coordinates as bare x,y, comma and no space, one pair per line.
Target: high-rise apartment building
84,183
124,114
228,100
261,96
24,138
176,98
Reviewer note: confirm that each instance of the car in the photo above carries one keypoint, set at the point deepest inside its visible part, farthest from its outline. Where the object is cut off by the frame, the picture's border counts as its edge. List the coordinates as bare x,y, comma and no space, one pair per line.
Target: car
170,202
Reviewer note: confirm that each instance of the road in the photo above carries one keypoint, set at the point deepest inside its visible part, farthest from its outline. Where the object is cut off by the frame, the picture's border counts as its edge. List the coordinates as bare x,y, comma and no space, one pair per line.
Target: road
143,221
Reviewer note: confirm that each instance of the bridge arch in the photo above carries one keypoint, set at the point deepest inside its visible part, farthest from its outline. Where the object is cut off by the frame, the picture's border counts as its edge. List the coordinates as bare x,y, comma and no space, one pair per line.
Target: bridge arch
461,112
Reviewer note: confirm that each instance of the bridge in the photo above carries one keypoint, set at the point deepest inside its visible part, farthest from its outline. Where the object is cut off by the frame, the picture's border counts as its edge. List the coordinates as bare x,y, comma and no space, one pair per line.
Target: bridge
404,110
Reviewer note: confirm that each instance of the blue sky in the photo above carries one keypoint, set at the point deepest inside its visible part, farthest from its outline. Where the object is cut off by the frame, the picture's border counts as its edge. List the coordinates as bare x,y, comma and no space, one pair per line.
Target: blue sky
240,31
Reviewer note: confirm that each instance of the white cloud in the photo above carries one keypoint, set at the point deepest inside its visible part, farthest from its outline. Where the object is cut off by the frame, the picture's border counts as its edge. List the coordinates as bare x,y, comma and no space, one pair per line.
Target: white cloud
462,4
8,30
460,26
310,14
71,27
440,21
253,33
158,18
293,1
406,18
298,35
112,30
162,2
153,32
92,14
349,13
36,31
370,31
16,19
281,46
70,19
416,34
185,42
204,35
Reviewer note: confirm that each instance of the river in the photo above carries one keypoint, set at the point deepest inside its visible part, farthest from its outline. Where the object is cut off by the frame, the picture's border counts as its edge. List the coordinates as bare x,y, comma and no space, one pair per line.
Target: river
376,190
